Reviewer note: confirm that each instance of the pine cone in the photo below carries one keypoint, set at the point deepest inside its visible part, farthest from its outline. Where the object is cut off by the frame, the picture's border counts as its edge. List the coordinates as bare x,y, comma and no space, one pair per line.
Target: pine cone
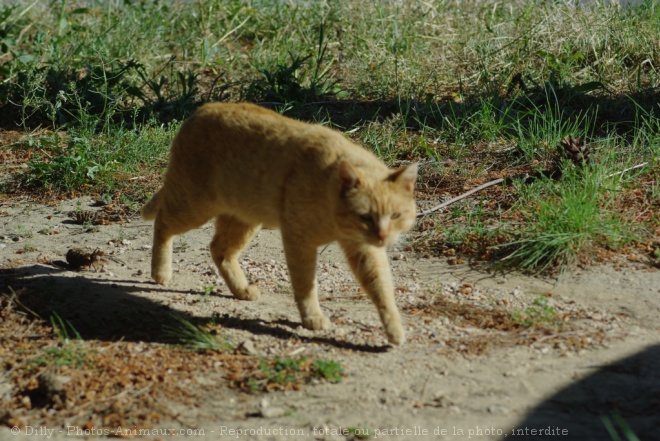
575,150
82,217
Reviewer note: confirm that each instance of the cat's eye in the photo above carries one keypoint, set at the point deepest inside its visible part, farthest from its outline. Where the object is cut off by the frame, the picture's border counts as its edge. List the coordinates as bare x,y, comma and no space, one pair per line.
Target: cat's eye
396,215
366,218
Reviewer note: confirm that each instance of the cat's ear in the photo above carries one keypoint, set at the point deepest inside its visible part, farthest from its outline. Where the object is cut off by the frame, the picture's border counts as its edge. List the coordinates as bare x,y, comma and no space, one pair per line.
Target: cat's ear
347,176
405,176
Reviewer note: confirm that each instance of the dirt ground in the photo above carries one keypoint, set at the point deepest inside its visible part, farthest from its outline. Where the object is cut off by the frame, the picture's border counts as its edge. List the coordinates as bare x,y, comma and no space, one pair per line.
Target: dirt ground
472,368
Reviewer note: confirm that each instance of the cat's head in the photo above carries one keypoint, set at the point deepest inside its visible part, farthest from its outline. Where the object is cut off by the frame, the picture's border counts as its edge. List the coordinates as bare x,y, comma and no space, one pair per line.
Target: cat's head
375,210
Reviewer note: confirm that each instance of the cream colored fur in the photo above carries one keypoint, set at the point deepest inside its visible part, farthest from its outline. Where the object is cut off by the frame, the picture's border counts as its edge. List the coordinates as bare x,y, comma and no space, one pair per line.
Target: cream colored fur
248,167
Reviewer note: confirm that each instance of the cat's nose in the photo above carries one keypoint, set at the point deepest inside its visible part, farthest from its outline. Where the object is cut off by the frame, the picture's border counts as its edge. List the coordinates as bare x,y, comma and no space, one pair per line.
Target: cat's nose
383,227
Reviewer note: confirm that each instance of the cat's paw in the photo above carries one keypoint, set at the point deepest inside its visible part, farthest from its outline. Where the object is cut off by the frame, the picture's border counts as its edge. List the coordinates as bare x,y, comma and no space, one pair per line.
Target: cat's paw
161,277
395,335
249,293
316,322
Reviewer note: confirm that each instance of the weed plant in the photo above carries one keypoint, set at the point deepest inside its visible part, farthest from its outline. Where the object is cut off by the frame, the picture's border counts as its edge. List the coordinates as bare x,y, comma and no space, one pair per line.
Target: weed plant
289,372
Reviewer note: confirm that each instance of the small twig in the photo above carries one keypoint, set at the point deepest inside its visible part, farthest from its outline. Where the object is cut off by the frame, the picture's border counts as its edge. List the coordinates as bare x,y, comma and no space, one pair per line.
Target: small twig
499,181
627,169
14,299
458,198
551,336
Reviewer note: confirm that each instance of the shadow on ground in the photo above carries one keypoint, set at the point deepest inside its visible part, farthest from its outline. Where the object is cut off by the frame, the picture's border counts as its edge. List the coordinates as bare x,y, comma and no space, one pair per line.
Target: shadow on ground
626,392
112,310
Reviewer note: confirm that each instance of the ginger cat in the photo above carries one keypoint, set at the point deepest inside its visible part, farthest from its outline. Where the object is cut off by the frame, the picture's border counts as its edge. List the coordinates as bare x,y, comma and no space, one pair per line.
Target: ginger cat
248,167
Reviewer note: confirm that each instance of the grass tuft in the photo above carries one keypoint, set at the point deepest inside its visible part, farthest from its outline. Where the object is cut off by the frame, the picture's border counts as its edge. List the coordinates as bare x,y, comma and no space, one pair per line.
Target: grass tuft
574,216
195,338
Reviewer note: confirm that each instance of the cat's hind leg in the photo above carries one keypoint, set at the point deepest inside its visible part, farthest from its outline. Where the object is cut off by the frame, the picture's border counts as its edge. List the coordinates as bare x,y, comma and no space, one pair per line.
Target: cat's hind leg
161,257
301,261
168,224
231,236
372,270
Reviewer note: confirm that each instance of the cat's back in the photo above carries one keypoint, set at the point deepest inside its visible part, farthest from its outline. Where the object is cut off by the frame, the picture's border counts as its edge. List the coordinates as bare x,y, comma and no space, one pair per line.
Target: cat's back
250,137
234,125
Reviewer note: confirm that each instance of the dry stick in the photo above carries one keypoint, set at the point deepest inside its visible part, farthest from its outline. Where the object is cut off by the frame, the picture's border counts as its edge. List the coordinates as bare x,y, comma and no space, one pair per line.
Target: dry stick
458,198
627,169
498,181
14,298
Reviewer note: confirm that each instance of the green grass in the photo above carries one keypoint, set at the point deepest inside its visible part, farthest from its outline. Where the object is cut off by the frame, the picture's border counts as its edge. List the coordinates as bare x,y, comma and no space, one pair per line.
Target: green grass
473,90
69,352
84,158
621,424
195,338
291,372
573,214
540,313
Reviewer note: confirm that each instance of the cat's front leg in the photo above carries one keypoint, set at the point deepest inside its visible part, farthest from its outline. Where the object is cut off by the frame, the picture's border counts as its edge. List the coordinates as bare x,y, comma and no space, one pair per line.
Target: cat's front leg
371,268
301,260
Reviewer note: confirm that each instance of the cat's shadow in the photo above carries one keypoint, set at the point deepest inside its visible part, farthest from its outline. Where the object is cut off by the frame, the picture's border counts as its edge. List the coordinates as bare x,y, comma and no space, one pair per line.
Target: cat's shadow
285,330
99,308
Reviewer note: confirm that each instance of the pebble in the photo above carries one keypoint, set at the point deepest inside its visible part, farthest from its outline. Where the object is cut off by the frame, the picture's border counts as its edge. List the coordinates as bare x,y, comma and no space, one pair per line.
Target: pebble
247,348
272,412
266,411
498,409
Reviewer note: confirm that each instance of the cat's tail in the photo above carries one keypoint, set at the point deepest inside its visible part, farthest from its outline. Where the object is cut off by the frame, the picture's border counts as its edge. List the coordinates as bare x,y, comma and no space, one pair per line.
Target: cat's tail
150,210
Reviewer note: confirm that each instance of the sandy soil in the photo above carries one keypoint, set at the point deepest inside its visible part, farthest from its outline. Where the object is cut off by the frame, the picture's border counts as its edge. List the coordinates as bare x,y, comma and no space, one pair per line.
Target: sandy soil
466,372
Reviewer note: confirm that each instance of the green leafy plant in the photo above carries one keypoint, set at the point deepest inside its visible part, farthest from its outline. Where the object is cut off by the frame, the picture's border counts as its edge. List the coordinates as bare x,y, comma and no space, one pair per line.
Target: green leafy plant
283,371
328,370
291,372
301,79
168,94
540,313
68,166
206,292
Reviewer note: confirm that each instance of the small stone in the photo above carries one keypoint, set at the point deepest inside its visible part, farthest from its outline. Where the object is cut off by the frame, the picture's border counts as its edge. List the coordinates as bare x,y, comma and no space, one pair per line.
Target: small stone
272,412
247,348
497,409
